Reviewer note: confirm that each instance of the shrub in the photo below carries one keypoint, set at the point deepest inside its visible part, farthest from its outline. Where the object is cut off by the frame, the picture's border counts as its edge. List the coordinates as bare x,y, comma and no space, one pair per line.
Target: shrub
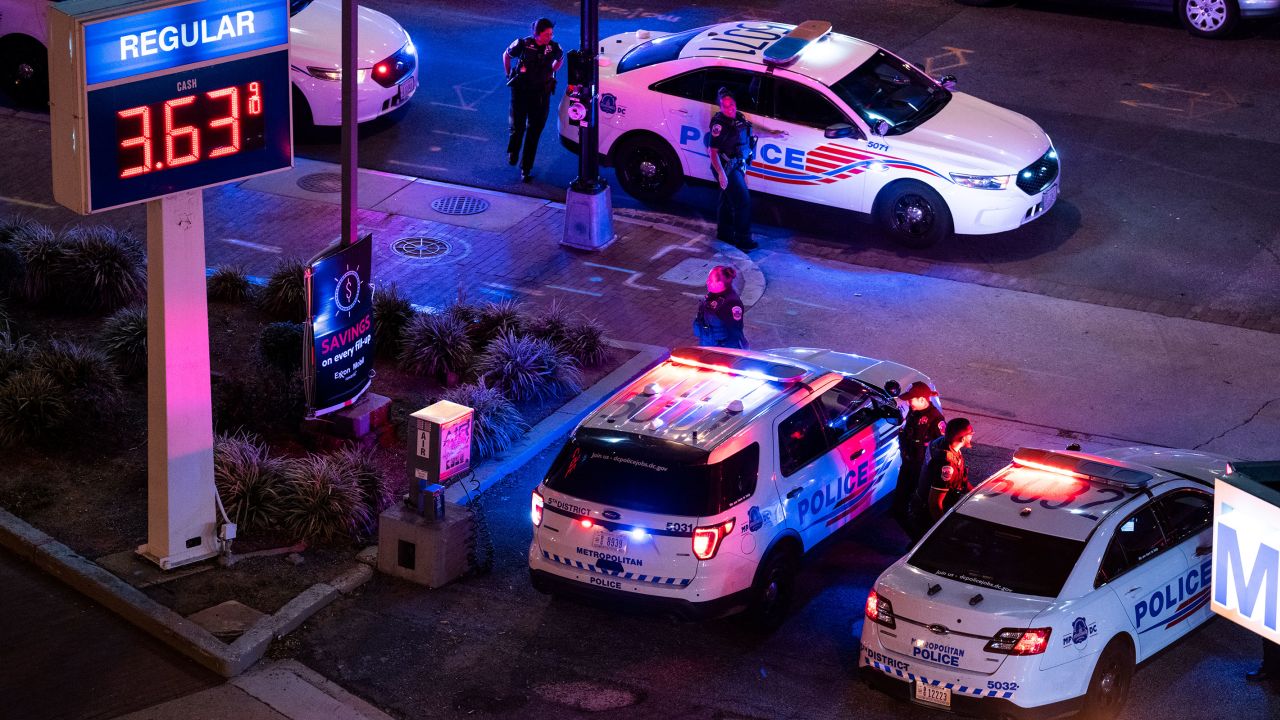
320,504
15,354
436,344
13,268
493,319
280,347
32,405
44,254
228,284
526,367
496,424
380,491
285,295
584,341
86,374
467,312
124,336
101,268
259,402
391,315
15,229
249,480
551,323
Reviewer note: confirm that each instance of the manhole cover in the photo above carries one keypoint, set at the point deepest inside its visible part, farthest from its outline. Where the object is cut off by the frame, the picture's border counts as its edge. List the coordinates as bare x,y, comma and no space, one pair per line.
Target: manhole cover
321,182
460,205
421,248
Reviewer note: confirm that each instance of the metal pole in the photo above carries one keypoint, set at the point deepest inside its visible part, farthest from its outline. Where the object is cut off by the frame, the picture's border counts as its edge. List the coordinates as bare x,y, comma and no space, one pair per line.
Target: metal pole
350,33
588,133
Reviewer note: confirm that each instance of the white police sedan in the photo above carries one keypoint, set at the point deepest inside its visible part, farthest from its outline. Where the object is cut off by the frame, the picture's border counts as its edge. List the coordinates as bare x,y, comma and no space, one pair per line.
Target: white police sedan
867,131
1038,593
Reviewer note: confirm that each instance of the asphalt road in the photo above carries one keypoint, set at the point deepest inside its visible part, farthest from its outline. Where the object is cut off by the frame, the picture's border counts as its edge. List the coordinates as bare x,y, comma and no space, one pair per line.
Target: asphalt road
1171,169
492,647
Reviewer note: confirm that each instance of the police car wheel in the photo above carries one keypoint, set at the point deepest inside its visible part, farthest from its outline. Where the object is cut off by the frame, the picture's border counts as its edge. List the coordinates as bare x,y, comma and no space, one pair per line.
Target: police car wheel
1209,18
913,214
774,586
24,70
647,168
1109,686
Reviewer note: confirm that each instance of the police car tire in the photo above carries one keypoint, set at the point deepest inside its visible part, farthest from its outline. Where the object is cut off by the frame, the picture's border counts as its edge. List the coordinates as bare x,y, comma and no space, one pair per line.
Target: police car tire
24,70
302,118
632,152
772,590
893,213
1231,18
1103,703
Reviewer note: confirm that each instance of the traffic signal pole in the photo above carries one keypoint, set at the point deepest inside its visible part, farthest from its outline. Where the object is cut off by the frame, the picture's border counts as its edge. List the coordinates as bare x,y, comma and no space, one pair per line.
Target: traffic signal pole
588,222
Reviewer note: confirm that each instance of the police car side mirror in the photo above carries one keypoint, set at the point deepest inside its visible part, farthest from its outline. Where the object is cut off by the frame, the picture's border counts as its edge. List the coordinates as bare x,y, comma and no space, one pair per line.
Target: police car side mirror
891,413
880,128
948,82
893,388
839,130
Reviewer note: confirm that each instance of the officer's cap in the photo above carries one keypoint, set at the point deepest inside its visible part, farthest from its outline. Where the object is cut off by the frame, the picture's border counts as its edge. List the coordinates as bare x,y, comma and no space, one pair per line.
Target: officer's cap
919,389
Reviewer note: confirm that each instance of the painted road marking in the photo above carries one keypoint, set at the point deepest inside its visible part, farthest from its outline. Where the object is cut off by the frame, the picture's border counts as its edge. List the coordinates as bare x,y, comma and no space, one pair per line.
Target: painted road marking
952,58
812,305
419,167
511,289
692,295
690,245
254,245
574,290
610,267
471,93
461,135
633,281
26,203
1188,103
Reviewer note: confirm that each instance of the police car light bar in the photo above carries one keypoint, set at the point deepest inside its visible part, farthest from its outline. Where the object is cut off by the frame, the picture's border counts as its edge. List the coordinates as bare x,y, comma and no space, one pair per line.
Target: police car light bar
788,48
1081,467
705,359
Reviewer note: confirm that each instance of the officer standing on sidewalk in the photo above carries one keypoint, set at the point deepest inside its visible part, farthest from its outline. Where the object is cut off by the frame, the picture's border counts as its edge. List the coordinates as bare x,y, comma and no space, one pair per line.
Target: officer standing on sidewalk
924,424
732,147
945,479
719,321
532,79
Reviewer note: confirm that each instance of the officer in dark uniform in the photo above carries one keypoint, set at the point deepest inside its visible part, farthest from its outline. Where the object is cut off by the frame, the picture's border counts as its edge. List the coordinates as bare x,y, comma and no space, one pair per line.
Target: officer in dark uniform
924,424
532,78
944,479
732,147
719,319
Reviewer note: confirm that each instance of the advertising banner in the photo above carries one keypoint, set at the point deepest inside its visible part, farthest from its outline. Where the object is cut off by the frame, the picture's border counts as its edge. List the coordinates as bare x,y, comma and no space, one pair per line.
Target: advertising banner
340,324
1246,548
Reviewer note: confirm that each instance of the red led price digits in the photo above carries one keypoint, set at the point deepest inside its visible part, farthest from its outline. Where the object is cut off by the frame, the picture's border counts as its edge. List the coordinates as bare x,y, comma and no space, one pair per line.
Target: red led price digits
232,120
171,132
255,98
143,140
182,142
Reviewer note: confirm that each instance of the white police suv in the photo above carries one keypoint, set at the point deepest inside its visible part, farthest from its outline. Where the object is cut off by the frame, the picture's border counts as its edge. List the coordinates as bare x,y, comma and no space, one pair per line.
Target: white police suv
1036,595
697,489
868,131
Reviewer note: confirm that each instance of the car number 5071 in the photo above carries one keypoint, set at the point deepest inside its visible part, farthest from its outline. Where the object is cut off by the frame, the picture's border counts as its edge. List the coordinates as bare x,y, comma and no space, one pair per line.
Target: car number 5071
932,695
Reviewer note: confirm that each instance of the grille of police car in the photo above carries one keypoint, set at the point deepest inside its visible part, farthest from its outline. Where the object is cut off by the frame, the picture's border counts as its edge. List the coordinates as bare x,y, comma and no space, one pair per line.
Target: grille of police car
392,70
1037,176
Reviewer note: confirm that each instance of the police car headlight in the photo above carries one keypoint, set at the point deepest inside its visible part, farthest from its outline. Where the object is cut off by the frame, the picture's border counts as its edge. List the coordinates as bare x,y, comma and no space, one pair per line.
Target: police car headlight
322,73
982,182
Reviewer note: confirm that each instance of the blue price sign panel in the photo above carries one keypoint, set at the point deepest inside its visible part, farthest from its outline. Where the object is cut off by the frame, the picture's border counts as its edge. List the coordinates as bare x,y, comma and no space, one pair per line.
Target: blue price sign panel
158,97
340,304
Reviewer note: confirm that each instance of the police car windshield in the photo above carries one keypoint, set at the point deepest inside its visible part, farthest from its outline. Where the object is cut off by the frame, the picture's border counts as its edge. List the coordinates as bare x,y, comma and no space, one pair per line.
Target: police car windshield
297,6
886,88
1000,557
658,50
625,477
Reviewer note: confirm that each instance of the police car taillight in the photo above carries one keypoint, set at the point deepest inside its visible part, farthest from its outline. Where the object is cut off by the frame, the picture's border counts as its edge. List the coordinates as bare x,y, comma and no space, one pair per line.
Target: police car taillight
1013,641
536,511
706,540
879,610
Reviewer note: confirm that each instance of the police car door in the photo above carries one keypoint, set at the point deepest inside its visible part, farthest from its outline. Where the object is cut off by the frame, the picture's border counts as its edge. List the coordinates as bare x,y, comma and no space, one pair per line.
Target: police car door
689,101
1139,566
1187,516
807,165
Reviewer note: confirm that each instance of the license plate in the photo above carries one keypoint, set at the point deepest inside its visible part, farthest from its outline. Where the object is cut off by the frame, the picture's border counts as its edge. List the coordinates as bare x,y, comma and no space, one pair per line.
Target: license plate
610,541
1050,197
933,695
407,87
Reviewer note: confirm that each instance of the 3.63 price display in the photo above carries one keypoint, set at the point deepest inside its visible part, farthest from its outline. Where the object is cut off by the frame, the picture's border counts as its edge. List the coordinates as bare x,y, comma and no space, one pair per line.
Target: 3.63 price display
191,128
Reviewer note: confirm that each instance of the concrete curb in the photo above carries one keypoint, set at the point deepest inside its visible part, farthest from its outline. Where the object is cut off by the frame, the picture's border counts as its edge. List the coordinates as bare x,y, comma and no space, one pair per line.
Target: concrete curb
159,621
562,420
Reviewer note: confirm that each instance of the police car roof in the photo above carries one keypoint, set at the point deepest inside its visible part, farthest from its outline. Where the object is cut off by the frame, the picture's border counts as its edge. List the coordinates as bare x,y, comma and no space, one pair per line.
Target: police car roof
702,396
1060,493
826,61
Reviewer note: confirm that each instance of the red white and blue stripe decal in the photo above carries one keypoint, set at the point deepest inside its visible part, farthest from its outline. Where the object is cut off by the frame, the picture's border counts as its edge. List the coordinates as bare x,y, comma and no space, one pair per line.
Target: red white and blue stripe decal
832,162
953,687
635,577
1185,610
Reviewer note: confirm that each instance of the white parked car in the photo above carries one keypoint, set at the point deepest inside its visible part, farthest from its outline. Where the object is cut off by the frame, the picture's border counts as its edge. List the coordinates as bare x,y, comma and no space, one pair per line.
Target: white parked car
868,131
388,64
1037,594
698,488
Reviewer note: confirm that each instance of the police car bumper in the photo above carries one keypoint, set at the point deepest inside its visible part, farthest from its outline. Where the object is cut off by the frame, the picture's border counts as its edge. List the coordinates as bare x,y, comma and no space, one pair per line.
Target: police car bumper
982,212
372,100
553,584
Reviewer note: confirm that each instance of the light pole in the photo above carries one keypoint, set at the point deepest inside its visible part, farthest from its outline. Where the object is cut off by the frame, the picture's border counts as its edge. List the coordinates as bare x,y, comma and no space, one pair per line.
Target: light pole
588,221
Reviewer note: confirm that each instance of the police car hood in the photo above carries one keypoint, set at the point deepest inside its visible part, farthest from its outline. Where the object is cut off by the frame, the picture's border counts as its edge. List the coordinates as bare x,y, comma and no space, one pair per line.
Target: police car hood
315,36
1201,465
978,137
870,370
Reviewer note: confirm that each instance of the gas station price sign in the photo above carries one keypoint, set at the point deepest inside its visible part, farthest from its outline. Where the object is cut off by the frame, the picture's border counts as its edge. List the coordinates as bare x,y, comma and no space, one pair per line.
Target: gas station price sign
158,97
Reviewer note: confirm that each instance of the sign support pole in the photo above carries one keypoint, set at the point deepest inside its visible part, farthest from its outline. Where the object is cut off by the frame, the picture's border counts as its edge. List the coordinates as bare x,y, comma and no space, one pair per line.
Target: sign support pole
350,137
588,218
181,512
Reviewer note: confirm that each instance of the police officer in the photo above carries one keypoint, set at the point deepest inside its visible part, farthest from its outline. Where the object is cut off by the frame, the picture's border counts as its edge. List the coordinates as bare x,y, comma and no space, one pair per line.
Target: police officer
944,479
924,424
532,78
719,319
732,147
1269,670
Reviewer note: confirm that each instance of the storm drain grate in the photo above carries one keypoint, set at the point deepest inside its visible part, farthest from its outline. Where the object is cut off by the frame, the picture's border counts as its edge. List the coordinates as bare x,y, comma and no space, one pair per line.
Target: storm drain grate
321,182
421,248
460,205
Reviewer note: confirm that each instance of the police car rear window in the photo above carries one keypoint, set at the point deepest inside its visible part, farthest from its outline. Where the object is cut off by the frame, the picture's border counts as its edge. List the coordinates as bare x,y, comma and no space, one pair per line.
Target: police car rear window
656,51
1000,557
653,484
